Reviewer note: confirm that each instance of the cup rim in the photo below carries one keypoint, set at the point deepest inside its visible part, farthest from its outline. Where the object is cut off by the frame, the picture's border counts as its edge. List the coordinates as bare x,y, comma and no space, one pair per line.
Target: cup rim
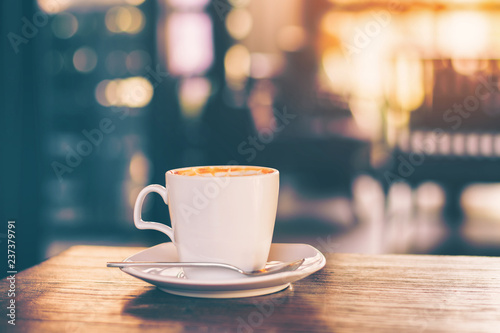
274,171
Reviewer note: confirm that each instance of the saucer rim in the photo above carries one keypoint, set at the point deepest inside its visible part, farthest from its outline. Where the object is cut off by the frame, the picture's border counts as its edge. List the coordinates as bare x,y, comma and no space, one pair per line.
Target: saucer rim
284,277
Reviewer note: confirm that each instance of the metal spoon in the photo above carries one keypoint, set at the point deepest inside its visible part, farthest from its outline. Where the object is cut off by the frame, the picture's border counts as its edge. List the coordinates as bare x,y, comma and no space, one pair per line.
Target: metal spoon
275,268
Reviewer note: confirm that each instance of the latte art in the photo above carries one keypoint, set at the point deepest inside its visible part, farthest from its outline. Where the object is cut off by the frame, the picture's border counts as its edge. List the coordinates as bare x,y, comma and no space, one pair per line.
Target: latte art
223,171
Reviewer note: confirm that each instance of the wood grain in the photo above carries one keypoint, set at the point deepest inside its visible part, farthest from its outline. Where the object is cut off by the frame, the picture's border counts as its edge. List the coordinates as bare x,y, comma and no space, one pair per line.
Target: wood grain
75,292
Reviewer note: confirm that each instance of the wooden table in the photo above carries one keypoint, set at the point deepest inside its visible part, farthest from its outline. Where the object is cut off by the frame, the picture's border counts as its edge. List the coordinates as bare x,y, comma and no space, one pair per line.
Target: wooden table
75,292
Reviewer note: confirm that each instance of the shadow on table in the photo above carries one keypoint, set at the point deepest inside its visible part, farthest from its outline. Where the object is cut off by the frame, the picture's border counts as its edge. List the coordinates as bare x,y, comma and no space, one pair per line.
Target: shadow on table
269,312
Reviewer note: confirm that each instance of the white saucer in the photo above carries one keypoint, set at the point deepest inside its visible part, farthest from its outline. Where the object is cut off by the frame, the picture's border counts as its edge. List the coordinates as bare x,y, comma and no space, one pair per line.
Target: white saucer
173,281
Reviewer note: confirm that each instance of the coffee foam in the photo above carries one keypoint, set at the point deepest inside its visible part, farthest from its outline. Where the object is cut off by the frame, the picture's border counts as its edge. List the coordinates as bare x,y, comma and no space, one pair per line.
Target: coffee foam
223,171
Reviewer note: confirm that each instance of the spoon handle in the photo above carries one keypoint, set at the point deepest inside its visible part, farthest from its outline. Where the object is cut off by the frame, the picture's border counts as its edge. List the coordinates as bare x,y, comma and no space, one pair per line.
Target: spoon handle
122,264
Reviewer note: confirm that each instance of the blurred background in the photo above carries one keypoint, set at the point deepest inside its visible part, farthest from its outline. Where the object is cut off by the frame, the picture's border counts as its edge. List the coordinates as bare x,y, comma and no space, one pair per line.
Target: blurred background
383,117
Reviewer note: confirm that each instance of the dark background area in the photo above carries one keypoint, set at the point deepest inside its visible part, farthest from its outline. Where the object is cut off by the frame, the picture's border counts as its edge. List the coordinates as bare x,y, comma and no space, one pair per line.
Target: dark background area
364,167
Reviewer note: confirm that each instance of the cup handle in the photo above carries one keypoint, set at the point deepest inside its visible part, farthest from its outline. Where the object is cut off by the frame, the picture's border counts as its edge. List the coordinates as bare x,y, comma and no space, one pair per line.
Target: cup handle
139,222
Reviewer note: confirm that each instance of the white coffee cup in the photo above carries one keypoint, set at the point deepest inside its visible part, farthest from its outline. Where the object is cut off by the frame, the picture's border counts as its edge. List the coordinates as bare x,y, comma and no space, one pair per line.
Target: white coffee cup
220,214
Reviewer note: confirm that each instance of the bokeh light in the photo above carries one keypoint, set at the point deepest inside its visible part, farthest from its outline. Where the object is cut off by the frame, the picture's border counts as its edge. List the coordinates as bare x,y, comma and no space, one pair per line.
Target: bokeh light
189,43
111,93
53,6
239,23
193,94
462,34
85,59
100,93
134,92
139,168
409,85
237,63
125,19
64,25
